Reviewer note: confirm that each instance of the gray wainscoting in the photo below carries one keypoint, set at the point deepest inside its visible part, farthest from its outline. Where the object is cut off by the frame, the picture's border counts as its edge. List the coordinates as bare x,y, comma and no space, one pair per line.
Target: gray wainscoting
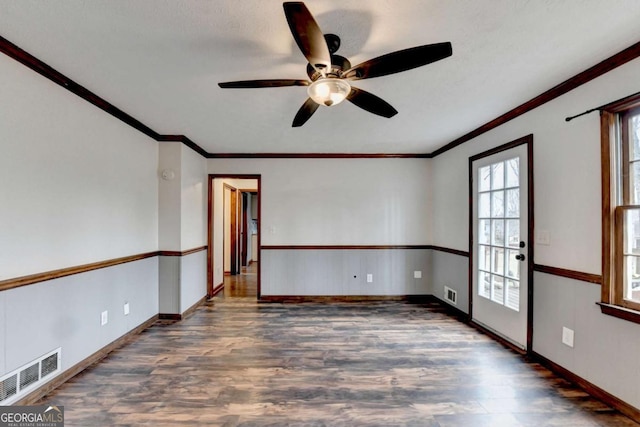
3,332
453,271
193,279
344,271
183,281
606,348
66,312
169,281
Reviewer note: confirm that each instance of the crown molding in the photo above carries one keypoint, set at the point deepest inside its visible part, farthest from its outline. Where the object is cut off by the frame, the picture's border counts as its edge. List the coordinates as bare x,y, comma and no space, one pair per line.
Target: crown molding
603,67
55,76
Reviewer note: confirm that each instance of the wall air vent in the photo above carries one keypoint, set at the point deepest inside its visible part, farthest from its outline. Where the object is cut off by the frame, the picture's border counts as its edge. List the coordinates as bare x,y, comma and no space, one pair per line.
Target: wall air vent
8,387
27,378
450,295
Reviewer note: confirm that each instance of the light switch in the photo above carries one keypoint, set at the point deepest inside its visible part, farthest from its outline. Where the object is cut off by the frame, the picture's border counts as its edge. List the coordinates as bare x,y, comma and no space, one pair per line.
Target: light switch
543,238
567,336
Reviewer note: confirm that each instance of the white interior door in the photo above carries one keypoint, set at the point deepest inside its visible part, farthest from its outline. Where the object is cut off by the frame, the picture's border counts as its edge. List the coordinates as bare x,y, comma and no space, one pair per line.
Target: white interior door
500,230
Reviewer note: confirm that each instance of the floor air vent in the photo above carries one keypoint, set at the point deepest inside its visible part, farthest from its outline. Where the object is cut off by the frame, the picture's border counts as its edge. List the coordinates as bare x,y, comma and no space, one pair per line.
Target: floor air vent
26,378
450,295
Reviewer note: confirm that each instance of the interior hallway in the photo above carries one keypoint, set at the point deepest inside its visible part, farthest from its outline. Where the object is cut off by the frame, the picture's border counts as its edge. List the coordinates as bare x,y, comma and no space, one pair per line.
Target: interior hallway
243,285
237,362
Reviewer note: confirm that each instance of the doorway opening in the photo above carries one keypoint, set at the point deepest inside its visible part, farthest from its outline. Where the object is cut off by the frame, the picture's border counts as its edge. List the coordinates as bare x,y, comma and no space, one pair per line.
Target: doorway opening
233,267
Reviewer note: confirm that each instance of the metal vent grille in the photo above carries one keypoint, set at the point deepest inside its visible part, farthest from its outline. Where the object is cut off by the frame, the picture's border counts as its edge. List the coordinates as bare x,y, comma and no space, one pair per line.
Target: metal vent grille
29,375
49,365
8,387
450,295
23,380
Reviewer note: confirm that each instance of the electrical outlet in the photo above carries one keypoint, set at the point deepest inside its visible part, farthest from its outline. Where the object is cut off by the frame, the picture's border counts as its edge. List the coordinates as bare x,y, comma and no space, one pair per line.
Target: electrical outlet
104,318
417,274
126,308
369,278
567,336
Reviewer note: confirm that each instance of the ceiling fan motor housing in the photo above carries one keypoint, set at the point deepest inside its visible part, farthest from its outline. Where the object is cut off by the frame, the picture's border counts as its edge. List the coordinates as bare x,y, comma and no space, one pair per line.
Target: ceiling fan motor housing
339,64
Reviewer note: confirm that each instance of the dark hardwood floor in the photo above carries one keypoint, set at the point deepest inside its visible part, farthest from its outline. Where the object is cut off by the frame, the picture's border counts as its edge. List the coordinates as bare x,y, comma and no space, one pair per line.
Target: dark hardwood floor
237,362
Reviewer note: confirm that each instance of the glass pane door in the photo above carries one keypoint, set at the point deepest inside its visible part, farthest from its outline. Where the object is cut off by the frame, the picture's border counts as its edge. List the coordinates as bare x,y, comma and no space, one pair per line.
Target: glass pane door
499,232
499,203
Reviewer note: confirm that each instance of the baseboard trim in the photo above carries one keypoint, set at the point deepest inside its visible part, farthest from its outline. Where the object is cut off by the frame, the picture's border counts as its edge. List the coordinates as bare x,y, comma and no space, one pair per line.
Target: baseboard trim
217,289
65,376
595,391
189,311
497,337
170,316
296,299
464,317
450,309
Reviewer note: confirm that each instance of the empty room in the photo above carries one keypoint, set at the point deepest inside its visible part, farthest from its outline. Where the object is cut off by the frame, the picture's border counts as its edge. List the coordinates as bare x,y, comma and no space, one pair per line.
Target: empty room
329,213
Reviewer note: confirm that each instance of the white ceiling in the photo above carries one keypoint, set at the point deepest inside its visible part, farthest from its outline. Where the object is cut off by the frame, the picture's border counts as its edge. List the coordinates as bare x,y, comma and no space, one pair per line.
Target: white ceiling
160,61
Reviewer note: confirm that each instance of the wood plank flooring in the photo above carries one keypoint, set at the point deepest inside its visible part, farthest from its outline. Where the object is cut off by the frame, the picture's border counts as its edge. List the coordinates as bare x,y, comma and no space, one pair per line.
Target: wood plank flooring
237,362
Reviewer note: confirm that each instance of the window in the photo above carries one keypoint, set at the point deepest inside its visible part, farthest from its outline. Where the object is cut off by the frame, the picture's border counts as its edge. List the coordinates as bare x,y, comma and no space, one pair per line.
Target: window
621,209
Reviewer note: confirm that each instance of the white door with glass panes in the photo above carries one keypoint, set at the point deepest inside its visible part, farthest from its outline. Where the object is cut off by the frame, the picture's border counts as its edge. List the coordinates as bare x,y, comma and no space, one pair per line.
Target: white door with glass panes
500,267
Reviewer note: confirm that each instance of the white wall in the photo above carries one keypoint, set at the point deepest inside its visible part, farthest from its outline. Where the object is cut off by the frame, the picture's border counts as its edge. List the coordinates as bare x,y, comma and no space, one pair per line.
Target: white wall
567,204
183,226
336,202
194,199
340,201
183,199
169,196
77,185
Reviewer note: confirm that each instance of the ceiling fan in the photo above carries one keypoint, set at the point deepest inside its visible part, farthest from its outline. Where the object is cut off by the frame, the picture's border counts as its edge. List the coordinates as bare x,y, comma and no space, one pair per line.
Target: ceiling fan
329,73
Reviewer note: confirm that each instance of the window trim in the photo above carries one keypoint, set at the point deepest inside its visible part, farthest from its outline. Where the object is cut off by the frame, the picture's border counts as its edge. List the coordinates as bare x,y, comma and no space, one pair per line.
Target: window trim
612,302
618,250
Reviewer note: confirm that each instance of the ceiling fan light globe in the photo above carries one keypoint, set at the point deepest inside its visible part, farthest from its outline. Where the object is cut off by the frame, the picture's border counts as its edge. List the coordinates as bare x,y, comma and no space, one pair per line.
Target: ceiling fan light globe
329,91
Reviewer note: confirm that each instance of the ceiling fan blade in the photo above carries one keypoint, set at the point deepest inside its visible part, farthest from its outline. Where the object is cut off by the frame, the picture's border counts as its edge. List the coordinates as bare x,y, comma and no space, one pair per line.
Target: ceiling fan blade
308,35
371,103
251,84
400,60
304,113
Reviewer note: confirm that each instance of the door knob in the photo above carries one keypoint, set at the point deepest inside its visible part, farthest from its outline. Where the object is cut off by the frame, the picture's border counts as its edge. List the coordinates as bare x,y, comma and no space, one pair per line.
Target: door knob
522,244
520,257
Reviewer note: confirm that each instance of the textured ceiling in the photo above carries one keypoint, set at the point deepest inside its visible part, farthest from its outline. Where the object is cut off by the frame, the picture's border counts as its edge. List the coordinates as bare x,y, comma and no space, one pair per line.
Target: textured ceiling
160,61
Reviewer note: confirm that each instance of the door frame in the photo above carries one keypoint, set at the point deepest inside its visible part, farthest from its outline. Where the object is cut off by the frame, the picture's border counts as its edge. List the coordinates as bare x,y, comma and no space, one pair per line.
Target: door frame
244,224
233,228
211,291
528,140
